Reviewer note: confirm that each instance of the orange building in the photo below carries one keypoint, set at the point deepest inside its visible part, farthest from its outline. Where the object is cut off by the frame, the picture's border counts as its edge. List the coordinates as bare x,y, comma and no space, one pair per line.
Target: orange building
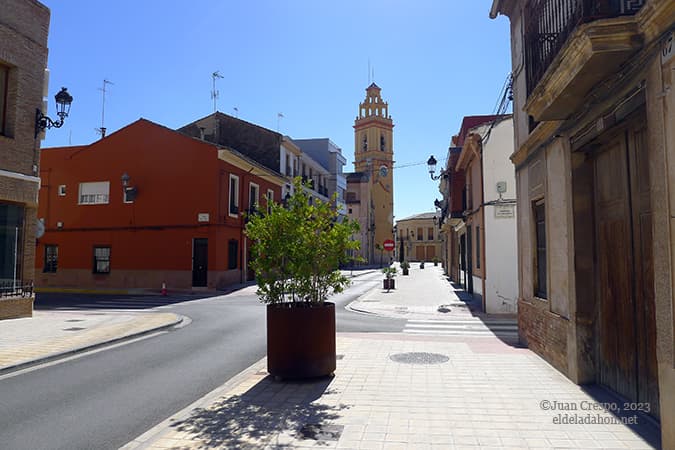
145,206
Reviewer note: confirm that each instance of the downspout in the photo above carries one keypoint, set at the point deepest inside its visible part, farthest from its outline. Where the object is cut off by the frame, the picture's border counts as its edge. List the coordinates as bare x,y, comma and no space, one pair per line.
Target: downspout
482,216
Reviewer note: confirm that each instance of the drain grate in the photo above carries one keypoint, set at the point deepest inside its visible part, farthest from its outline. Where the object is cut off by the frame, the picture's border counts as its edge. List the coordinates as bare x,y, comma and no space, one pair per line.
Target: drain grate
75,320
339,356
74,329
419,358
319,432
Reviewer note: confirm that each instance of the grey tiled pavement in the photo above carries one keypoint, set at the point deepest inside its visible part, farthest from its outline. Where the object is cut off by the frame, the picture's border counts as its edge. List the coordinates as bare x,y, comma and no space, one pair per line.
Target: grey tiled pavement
52,334
389,392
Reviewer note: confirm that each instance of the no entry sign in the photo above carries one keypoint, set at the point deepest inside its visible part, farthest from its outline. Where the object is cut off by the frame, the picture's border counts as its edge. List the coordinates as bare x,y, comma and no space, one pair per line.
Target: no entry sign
388,245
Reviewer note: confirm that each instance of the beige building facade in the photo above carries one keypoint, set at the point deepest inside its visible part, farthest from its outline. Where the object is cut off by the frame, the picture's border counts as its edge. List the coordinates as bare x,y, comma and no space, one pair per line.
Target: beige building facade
24,27
418,238
595,171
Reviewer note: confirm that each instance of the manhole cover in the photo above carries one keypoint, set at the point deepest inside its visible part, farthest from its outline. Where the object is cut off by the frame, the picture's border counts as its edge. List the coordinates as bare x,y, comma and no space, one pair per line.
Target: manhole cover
320,432
444,309
419,358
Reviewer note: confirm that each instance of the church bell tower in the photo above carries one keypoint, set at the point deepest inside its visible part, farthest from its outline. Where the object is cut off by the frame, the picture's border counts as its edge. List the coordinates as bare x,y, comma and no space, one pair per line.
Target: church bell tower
374,156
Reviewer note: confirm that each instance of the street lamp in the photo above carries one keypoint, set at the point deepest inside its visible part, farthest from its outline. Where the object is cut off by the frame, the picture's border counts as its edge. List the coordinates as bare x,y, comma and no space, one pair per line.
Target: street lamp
63,101
431,163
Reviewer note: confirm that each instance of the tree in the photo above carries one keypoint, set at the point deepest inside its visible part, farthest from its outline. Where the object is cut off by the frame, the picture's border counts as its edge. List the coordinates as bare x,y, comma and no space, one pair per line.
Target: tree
297,249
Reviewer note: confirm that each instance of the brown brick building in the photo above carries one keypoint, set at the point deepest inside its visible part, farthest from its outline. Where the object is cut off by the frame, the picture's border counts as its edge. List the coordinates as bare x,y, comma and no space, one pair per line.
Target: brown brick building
24,27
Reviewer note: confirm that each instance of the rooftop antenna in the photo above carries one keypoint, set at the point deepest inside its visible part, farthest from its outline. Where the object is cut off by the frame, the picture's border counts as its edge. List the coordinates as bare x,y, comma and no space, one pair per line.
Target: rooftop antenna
279,117
214,92
236,111
102,130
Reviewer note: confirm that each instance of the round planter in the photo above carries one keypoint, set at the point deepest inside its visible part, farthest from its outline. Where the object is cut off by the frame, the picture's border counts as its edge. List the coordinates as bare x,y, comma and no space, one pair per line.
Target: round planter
301,340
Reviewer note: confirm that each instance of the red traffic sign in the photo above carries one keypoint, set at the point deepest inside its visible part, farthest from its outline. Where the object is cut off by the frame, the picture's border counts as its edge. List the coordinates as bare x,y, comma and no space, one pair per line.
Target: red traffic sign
388,245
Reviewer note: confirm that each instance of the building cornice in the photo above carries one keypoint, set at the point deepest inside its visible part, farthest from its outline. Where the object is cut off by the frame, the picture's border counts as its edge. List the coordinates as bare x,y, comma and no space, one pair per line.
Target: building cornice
542,134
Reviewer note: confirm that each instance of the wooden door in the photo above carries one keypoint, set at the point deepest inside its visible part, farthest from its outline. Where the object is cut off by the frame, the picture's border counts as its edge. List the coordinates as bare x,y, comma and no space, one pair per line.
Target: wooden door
200,258
419,253
626,345
431,252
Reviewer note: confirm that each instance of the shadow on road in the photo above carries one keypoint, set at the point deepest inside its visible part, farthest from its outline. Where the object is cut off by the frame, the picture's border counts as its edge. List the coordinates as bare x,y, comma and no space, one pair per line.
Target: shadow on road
256,418
69,301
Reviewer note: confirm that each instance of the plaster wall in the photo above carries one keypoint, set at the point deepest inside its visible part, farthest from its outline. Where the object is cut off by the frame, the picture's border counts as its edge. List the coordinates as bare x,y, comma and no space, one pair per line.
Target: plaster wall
559,227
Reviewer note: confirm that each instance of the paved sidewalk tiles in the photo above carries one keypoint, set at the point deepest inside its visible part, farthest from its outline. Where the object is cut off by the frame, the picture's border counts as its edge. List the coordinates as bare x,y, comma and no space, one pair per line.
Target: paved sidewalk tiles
483,396
50,334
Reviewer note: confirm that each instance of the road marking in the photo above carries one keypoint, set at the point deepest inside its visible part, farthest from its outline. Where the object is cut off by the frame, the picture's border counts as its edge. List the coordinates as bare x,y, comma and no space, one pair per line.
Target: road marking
79,355
464,327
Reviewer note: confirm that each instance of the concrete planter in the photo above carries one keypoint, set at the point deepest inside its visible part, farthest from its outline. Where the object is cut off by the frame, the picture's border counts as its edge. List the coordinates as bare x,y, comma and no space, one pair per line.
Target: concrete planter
301,340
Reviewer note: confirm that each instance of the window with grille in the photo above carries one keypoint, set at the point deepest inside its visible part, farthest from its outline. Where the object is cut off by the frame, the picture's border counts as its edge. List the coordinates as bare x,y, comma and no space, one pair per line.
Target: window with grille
101,259
97,193
232,253
51,258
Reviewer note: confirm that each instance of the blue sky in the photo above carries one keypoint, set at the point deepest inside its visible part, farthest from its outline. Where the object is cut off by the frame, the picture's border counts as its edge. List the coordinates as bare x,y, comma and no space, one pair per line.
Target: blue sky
435,60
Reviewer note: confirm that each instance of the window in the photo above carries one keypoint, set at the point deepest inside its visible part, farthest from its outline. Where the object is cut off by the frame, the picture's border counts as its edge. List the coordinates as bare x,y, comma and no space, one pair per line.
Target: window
420,234
4,87
477,247
430,234
11,242
101,259
288,165
270,200
234,195
540,256
94,193
62,190
253,196
129,194
232,253
51,258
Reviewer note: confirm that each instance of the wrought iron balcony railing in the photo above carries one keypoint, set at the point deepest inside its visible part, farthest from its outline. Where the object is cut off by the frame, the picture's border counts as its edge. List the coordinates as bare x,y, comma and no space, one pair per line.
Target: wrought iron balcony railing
549,23
16,289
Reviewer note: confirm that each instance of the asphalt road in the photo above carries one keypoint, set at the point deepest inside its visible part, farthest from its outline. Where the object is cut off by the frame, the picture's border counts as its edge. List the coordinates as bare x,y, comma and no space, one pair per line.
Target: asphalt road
105,399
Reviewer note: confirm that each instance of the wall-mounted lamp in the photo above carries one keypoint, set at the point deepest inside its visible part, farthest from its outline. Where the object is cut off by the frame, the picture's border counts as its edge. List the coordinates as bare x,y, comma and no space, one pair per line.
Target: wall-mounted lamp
129,191
431,163
63,101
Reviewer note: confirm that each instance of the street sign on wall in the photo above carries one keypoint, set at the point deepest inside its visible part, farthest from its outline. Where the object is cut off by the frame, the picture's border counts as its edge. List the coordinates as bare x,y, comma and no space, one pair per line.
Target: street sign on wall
388,245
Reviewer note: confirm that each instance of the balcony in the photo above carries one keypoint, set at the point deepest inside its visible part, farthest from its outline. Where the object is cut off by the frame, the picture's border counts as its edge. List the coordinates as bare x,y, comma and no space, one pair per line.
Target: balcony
571,45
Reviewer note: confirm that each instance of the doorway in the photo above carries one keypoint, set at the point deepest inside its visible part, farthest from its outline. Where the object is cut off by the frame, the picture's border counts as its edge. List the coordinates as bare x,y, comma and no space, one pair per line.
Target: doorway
200,258
626,328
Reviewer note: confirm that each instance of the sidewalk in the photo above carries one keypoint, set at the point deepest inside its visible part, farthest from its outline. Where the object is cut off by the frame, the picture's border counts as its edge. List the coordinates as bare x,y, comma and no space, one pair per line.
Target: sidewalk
53,334
424,294
398,391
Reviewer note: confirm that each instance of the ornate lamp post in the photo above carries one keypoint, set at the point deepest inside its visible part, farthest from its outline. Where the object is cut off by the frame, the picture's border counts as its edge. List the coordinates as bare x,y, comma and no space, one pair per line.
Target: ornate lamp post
63,101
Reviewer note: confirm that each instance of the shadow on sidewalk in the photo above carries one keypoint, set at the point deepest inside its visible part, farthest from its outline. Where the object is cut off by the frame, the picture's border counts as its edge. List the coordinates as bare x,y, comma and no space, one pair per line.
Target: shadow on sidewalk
267,409
504,327
607,401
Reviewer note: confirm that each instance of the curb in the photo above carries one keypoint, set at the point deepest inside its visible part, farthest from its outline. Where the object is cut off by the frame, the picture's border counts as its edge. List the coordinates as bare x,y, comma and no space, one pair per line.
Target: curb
56,356
153,434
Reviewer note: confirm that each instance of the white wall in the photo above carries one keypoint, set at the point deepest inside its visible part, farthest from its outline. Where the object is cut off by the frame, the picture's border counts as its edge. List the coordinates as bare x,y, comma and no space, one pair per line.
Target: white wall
501,249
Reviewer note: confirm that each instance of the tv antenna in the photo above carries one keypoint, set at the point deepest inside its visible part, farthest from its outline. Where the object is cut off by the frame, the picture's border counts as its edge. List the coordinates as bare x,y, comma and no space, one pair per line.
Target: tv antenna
214,92
102,130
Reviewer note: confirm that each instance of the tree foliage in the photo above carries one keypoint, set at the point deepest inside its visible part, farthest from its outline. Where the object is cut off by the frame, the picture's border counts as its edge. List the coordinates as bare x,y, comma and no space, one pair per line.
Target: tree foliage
298,248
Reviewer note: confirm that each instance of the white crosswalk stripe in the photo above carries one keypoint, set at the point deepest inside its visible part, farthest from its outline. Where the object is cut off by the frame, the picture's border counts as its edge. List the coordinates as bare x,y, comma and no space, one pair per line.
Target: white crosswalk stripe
507,328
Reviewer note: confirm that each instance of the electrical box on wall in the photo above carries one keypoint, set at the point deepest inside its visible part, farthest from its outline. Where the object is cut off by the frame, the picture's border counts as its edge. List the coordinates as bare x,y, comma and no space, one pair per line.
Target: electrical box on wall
501,187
